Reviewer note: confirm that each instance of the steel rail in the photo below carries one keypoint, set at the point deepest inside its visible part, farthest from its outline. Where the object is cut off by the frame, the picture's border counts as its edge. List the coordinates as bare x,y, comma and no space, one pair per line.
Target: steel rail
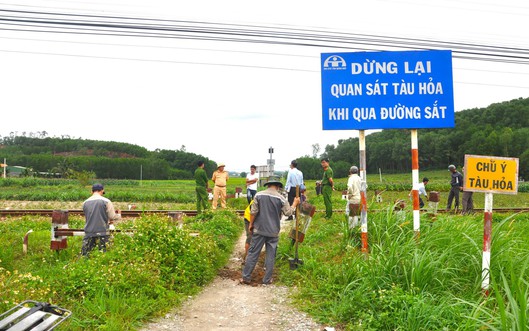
138,213
124,213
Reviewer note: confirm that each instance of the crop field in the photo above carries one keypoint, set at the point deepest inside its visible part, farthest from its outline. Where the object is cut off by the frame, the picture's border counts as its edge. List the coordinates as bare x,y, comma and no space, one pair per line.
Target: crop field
403,283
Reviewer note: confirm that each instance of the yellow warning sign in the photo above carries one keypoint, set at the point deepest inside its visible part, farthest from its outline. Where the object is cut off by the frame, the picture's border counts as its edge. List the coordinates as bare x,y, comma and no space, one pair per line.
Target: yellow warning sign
492,174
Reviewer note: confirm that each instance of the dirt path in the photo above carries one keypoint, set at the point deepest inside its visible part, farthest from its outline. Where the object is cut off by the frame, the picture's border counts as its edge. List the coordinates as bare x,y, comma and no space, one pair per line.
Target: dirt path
227,305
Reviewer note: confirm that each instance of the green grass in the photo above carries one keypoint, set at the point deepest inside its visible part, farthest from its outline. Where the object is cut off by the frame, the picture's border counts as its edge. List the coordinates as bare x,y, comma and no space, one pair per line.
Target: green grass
433,283
141,275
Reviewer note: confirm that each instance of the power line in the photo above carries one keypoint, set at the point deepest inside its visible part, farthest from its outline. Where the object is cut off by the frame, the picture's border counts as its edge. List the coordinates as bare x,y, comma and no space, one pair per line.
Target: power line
127,26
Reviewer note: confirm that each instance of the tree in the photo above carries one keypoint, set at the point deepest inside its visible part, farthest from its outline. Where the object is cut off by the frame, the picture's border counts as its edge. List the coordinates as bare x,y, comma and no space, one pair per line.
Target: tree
315,150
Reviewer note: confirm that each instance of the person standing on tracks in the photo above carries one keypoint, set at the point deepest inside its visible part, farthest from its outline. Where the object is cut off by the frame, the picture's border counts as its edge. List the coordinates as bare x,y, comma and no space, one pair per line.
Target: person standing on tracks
100,215
294,178
251,183
265,223
327,186
467,200
456,186
220,179
201,180
352,209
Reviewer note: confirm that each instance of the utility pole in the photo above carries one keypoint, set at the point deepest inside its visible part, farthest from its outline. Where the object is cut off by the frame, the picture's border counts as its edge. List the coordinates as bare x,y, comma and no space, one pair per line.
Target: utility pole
271,162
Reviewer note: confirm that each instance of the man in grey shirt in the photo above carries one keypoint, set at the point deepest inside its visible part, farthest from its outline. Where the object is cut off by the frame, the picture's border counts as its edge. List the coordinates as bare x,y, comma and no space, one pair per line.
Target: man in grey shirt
99,214
265,218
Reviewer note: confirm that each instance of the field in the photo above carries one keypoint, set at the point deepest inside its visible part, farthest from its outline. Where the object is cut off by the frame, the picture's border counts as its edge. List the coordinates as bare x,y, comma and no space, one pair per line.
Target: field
403,283
180,195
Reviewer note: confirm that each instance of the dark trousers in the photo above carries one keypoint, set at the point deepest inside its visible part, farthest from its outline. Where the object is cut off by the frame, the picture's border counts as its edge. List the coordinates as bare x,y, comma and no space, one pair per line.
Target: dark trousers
202,198
327,194
90,242
468,202
454,194
291,195
257,243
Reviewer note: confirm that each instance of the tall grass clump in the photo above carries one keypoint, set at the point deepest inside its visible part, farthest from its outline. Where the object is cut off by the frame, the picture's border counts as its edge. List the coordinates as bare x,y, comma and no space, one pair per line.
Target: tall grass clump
409,281
148,268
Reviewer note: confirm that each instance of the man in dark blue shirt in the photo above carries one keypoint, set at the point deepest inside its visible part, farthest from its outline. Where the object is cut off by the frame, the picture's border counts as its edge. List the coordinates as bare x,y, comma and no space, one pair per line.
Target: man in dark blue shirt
456,186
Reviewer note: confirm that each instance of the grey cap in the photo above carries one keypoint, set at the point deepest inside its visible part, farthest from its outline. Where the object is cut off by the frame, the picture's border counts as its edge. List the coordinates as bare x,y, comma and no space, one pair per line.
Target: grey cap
450,167
353,170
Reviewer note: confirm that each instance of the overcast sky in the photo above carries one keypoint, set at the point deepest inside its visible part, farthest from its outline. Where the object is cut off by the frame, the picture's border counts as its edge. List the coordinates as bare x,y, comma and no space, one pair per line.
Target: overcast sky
230,101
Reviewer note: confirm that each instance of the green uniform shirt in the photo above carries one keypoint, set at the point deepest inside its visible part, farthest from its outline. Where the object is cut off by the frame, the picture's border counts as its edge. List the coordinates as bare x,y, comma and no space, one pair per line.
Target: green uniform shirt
326,175
201,178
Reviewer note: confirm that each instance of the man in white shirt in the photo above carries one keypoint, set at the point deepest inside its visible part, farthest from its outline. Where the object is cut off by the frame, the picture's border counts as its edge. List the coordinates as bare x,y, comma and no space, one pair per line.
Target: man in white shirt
352,209
421,187
251,183
294,178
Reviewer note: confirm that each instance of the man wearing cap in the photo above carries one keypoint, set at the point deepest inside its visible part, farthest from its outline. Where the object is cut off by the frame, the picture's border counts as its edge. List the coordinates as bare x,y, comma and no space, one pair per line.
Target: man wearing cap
265,218
100,215
456,183
352,208
220,179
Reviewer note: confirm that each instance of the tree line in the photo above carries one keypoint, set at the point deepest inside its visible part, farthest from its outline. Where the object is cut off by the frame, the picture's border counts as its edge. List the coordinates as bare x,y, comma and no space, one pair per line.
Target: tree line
501,129
67,157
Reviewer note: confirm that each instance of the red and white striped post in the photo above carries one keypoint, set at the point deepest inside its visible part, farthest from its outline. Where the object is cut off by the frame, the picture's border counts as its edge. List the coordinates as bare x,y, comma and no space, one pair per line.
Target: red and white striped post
415,180
363,189
59,220
487,232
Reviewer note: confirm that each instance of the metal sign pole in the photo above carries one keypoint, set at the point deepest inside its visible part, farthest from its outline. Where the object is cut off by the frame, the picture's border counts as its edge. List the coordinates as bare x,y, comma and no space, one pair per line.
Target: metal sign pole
415,180
363,189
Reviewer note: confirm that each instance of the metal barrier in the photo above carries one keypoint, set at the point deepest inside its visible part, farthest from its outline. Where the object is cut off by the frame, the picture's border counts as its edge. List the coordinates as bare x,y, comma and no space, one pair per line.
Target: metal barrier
34,316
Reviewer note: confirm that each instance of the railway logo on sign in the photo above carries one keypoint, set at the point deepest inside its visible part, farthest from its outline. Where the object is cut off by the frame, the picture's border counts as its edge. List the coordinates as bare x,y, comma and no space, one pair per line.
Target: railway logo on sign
334,62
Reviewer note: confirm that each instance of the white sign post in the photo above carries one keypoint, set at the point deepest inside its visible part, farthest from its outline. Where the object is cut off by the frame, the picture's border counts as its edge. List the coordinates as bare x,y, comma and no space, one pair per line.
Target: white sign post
489,174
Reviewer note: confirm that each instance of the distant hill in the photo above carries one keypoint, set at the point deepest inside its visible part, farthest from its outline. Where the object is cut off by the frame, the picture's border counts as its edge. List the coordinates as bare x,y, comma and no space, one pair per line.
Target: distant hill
501,129
106,159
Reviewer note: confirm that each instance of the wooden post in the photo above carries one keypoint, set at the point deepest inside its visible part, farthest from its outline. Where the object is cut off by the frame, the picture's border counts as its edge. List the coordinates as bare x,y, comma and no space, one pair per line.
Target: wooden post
59,220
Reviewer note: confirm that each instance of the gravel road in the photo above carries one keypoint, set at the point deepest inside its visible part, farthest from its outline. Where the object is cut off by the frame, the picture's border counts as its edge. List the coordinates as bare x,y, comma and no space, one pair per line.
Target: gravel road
227,305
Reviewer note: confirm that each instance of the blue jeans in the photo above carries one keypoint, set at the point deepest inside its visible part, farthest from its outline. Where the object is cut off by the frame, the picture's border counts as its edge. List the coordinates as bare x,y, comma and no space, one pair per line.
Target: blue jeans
250,194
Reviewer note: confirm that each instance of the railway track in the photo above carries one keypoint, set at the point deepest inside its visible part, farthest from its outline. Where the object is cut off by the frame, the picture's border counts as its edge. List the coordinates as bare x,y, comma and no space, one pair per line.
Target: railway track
138,213
124,213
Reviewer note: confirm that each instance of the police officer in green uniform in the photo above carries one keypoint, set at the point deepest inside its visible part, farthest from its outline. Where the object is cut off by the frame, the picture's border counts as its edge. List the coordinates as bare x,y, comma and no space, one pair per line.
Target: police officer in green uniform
201,180
327,186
